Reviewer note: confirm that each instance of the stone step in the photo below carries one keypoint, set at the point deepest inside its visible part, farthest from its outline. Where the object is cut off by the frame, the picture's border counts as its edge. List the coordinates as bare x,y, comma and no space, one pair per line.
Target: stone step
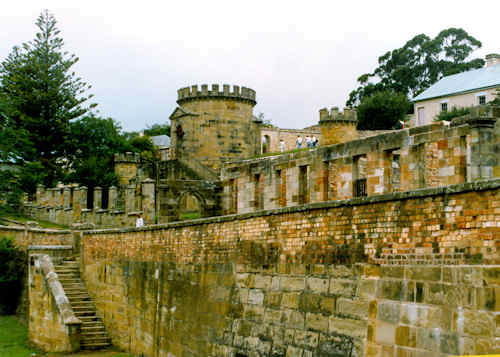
95,339
94,346
91,318
81,313
82,305
73,285
78,298
92,323
92,328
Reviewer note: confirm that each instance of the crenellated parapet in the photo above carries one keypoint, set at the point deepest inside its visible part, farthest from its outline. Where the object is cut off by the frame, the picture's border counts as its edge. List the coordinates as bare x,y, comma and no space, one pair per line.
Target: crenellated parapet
349,115
128,157
337,127
235,93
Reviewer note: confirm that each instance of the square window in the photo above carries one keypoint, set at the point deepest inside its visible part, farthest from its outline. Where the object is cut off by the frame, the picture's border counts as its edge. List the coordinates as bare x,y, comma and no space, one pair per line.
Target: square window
444,107
482,99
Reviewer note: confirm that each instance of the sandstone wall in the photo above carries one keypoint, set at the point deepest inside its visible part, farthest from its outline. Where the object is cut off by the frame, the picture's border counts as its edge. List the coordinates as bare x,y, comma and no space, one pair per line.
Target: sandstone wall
212,126
424,157
281,283
24,237
52,324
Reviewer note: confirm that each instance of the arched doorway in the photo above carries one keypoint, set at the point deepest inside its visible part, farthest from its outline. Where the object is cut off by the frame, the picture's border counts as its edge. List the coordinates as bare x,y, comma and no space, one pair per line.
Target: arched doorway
266,144
190,206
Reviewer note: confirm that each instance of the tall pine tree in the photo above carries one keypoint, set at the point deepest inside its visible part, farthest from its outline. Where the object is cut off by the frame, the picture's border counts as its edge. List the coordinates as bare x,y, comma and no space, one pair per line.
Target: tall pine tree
43,95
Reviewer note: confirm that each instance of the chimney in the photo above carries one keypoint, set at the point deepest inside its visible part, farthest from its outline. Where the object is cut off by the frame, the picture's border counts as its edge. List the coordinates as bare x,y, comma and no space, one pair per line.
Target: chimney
492,59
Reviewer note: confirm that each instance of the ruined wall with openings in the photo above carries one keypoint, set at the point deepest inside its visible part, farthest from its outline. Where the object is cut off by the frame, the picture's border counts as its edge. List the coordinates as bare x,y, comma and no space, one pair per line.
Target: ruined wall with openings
436,155
283,282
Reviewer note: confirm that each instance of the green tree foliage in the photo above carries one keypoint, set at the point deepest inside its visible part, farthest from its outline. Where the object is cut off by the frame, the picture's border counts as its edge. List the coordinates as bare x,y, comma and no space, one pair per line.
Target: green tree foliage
12,271
496,101
382,110
157,129
92,144
43,95
453,113
91,148
421,62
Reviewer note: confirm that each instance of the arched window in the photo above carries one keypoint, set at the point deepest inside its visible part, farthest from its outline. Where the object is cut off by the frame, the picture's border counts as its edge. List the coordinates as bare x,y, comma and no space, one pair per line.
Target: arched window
266,144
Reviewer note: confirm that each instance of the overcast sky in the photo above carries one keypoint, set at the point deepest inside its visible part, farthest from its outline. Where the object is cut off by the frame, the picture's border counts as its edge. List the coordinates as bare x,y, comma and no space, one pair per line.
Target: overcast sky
299,56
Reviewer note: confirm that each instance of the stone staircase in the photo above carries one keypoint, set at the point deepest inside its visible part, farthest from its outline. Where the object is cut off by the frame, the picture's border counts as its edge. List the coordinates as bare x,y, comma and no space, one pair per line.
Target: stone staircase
93,333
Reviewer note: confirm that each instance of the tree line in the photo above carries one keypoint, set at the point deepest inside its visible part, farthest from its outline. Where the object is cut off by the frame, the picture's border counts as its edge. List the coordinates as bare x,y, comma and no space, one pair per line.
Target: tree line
50,130
383,96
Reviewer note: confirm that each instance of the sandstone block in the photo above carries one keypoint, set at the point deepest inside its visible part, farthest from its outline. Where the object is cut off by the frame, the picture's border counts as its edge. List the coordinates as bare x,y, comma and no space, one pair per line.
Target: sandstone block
272,299
341,287
292,284
390,289
349,327
478,323
261,281
327,305
385,333
318,285
254,313
388,311
293,319
290,300
317,322
430,273
428,339
355,308
367,288
294,352
306,339
256,297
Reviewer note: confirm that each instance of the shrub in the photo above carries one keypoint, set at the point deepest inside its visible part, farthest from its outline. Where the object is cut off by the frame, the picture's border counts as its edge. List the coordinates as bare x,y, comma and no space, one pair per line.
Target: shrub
453,113
12,272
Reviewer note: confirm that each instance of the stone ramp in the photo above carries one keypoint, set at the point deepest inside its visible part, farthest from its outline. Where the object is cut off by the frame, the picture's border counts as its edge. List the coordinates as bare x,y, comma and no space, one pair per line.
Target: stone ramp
93,332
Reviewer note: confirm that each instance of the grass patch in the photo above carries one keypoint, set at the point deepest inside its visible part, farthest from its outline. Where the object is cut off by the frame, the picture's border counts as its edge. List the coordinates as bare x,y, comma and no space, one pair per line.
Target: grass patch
43,224
189,215
14,338
282,153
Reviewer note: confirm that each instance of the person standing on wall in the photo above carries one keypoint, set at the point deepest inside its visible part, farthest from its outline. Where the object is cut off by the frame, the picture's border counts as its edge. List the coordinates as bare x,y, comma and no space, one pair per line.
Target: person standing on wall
314,141
282,145
299,141
139,222
308,141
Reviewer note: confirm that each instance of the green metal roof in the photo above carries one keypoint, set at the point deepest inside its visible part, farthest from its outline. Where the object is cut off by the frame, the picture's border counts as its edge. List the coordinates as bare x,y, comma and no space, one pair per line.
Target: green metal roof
481,78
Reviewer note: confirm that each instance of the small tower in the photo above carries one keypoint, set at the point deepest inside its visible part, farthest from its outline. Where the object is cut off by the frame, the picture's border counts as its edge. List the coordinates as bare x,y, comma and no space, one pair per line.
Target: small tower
127,166
211,126
336,127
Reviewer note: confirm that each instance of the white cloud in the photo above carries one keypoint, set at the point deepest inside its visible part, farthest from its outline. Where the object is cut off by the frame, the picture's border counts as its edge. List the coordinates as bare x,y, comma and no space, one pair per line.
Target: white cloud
299,56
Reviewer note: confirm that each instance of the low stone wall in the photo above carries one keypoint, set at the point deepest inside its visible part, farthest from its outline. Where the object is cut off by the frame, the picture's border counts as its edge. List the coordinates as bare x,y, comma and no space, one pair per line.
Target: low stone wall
53,326
24,237
281,283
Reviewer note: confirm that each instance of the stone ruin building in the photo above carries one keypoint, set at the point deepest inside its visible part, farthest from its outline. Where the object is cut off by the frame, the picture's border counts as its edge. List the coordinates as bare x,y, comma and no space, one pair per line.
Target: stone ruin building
374,244
214,165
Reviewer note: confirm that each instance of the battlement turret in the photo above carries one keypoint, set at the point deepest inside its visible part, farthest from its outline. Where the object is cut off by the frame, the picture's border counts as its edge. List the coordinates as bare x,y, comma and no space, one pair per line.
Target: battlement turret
192,93
349,115
337,127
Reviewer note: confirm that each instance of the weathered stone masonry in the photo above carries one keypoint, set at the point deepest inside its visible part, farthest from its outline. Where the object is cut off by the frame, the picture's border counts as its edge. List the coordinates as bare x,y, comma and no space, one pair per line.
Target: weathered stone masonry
269,283
423,157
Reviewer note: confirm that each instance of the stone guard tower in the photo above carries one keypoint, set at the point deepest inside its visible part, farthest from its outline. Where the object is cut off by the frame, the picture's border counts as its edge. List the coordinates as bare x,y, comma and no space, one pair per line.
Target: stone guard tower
211,126
336,127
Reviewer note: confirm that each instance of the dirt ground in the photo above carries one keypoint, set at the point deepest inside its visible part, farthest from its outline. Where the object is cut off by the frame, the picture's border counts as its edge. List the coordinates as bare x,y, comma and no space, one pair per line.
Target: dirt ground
87,354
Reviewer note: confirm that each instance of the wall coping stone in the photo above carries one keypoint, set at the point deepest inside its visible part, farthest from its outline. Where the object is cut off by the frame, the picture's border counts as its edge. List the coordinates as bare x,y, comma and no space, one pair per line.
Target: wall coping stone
483,185
57,291
37,230
52,247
